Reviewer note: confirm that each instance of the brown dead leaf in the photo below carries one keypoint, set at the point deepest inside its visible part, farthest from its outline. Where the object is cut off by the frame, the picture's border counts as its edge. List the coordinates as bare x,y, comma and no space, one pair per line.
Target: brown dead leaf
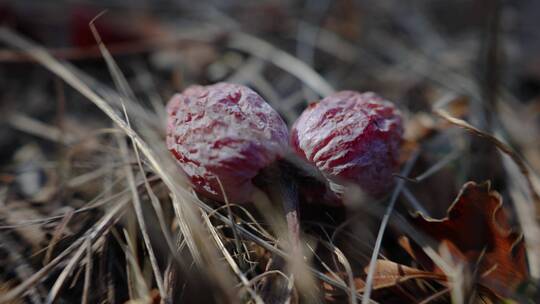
387,274
477,232
503,148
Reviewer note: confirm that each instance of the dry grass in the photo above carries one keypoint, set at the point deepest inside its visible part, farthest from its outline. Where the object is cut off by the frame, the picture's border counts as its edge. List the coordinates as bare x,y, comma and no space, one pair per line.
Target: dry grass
135,231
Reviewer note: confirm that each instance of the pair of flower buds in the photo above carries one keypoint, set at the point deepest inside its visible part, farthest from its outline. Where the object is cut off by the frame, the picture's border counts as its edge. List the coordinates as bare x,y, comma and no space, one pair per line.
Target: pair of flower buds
227,134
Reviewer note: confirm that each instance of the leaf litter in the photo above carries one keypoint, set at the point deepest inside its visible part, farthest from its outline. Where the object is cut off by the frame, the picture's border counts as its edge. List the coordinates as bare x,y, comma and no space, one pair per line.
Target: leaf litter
237,252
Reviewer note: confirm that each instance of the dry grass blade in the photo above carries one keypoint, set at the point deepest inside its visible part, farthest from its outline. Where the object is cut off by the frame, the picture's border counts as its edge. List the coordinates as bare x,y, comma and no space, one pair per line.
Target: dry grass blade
329,269
434,296
57,235
120,81
500,145
35,127
231,218
67,75
98,201
122,85
342,259
298,269
87,273
181,218
415,204
140,217
282,59
106,222
23,271
64,71
382,228
167,173
331,43
108,71
454,271
521,198
96,231
437,166
231,261
249,69
138,288
251,221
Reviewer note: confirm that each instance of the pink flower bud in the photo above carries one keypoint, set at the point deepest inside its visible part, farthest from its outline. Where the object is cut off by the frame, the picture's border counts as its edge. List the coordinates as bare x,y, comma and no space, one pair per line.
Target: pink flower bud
351,137
224,131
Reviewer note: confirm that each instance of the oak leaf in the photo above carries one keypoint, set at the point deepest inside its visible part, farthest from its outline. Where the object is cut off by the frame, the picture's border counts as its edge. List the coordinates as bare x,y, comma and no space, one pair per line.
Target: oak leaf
477,232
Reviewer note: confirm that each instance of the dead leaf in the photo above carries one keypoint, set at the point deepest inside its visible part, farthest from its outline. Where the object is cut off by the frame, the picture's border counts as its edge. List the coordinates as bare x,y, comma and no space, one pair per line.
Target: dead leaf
387,274
477,231
503,148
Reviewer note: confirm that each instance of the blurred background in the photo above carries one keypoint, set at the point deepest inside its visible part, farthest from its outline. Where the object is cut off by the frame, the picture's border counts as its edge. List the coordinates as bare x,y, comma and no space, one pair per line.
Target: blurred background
291,52
484,54
486,50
